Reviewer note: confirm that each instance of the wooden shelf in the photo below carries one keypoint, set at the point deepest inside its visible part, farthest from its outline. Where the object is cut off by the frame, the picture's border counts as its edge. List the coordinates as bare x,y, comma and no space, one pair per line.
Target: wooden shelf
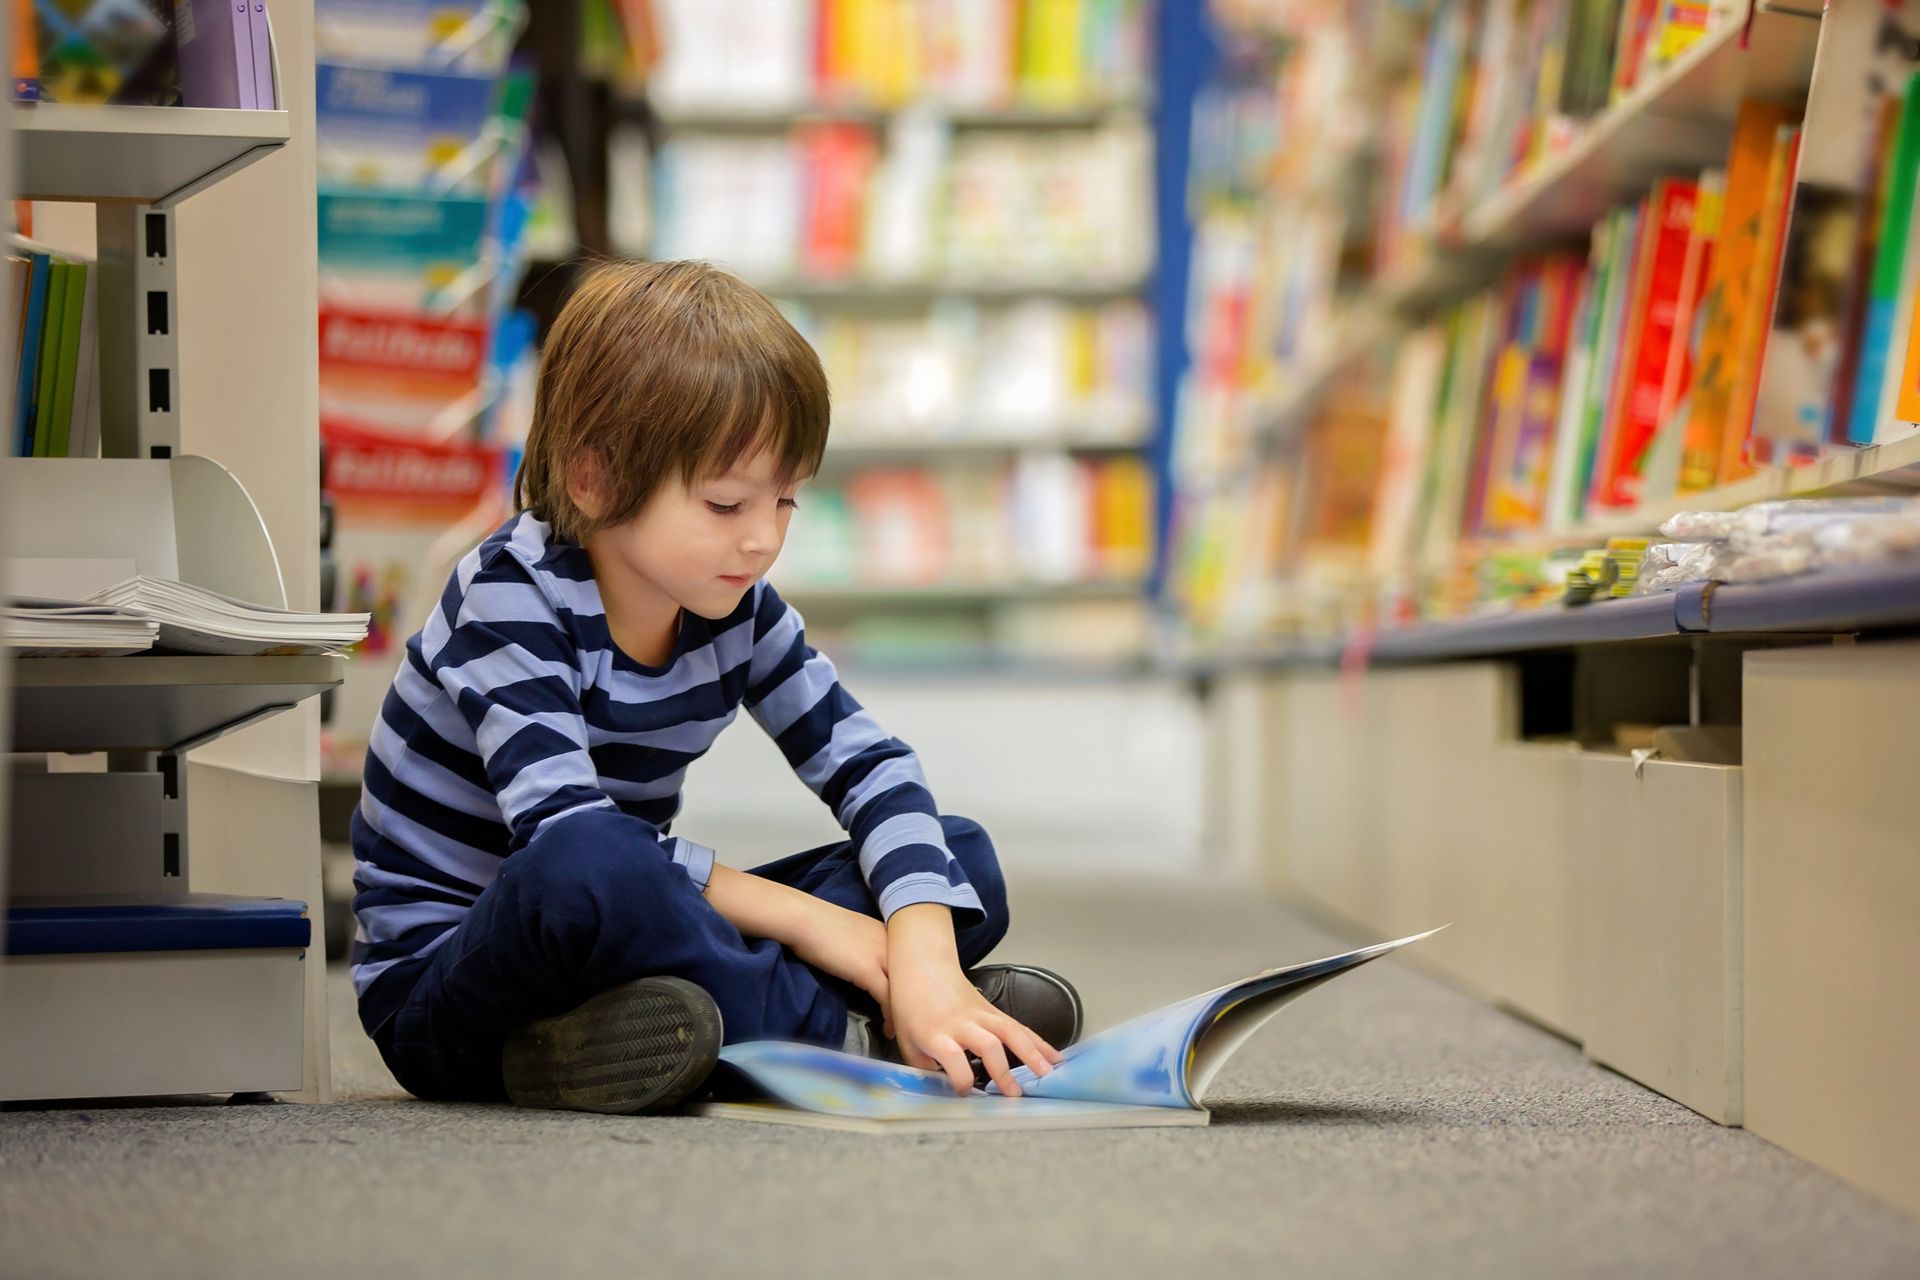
149,155
825,596
155,702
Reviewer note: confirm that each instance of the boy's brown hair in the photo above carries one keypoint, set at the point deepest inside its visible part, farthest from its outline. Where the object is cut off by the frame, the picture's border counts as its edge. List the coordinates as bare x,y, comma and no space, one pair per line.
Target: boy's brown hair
654,369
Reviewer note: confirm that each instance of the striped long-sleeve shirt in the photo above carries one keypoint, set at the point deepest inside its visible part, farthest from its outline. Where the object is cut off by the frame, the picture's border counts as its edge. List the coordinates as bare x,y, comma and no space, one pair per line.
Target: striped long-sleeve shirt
514,709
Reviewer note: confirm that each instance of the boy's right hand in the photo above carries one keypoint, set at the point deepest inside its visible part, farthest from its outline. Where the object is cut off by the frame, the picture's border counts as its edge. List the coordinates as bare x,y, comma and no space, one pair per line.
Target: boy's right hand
851,947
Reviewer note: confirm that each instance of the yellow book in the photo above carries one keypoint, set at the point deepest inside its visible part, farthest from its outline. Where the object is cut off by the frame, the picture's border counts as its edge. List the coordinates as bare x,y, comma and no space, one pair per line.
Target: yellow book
1053,36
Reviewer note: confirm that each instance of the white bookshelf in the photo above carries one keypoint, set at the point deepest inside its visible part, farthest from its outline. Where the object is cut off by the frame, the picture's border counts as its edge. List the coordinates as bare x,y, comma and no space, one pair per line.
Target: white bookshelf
150,155
155,702
106,812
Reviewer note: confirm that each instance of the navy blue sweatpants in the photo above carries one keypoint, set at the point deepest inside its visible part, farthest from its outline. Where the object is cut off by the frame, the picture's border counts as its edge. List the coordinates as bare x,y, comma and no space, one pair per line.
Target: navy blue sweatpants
580,910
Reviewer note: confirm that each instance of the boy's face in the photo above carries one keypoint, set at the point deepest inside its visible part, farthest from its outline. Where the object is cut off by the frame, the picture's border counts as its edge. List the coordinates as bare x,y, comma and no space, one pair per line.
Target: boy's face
704,545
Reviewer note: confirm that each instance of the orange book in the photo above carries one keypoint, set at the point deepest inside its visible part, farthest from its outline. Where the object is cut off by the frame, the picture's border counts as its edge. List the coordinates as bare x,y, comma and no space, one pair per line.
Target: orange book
1758,318
1728,284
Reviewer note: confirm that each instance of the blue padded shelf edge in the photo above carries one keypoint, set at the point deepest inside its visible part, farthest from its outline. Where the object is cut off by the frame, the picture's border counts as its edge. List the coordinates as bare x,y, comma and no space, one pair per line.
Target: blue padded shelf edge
192,922
1833,600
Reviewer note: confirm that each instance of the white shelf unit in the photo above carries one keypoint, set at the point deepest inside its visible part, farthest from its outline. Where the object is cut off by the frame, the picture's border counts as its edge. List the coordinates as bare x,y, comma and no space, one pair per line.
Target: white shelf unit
145,155
98,807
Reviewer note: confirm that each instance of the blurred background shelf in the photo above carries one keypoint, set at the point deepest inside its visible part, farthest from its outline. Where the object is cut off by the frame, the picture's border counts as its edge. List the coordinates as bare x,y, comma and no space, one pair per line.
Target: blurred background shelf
920,291
753,119
949,594
1679,120
150,155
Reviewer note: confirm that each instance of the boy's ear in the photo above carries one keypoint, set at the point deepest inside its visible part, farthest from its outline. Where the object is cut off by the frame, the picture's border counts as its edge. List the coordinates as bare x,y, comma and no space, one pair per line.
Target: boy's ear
584,486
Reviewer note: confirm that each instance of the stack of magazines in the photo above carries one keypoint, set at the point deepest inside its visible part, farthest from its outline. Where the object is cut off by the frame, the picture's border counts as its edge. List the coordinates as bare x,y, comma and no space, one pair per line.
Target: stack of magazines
143,613
36,627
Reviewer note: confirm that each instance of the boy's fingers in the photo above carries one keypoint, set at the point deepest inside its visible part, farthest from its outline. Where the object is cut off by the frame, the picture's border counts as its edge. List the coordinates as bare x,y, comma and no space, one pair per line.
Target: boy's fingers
952,1059
1031,1049
994,1058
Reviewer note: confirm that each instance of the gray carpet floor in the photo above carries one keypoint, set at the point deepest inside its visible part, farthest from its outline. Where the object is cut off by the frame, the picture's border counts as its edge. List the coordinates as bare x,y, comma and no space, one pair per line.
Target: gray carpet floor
1386,1125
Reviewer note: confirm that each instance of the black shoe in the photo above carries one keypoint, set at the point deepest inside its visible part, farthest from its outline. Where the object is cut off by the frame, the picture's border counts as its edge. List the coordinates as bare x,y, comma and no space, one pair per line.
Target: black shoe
1039,999
644,1046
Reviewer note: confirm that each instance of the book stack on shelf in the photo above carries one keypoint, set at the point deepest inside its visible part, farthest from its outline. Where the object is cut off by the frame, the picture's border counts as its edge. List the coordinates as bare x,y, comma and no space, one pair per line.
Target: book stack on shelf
834,203
1041,372
952,201
735,58
153,53
1734,327
56,378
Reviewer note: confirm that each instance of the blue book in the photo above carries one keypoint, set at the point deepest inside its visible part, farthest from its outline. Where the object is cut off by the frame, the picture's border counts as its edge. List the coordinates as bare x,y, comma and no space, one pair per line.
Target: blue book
29,366
384,102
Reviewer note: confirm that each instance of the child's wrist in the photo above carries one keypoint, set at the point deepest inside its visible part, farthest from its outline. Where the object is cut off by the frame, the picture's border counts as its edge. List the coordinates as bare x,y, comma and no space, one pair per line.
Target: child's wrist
923,934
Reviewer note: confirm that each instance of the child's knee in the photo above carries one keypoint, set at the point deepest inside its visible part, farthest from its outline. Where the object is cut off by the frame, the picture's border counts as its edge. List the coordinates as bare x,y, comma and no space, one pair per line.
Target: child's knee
973,849
583,863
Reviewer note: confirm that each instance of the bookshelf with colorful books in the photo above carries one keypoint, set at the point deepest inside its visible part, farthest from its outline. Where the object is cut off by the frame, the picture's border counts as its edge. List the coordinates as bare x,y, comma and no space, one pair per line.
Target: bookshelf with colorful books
144,135
1599,283
951,202
1594,376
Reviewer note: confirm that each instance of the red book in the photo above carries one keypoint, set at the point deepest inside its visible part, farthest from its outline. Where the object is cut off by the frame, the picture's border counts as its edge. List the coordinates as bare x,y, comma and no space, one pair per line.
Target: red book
1650,342
839,165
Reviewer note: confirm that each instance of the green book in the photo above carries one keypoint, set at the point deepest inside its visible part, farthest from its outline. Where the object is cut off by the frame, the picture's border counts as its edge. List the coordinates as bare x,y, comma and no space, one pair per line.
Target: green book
50,334
72,311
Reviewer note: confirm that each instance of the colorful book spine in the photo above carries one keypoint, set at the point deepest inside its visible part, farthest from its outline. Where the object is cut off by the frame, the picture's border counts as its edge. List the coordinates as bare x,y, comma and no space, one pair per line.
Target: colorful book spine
1604,380
1883,295
27,371
1729,288
1736,462
49,361
1671,221
66,364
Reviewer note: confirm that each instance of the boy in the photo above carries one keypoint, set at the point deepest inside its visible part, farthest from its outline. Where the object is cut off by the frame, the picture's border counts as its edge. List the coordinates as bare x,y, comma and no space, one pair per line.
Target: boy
528,927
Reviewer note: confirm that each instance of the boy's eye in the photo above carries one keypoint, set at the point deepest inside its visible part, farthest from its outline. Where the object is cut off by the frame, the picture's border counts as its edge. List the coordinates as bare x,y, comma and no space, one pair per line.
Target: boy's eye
791,504
721,509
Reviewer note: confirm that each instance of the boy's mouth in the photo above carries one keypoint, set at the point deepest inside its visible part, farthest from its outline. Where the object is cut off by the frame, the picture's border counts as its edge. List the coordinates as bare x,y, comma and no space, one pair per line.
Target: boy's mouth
737,579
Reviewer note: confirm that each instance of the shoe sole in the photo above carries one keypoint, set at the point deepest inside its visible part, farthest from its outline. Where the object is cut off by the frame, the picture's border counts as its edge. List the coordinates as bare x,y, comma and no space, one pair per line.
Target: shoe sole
643,1046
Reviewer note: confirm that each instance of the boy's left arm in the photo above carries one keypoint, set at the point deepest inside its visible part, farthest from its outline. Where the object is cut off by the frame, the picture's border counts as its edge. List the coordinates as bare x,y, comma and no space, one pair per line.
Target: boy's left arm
875,787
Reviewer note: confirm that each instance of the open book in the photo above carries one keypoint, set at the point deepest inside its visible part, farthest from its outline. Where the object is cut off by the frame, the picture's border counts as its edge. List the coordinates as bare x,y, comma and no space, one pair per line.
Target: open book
1153,1070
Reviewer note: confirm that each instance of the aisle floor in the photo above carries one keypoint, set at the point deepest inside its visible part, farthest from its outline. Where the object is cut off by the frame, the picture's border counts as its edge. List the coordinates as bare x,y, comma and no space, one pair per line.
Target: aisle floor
1383,1125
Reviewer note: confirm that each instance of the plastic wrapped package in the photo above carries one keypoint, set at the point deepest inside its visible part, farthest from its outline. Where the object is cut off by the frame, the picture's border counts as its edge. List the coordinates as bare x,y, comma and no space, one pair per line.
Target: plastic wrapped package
1781,516
1882,537
1671,565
